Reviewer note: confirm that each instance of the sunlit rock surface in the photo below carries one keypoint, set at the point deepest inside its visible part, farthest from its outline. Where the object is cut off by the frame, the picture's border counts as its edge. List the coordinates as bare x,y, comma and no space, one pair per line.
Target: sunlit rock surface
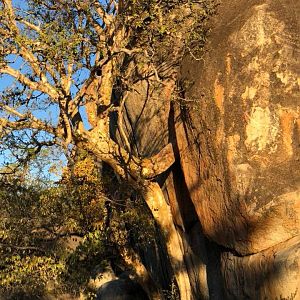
244,138
235,187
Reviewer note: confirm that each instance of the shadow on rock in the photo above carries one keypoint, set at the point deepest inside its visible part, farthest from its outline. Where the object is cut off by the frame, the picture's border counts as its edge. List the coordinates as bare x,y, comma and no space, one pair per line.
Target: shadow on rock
121,289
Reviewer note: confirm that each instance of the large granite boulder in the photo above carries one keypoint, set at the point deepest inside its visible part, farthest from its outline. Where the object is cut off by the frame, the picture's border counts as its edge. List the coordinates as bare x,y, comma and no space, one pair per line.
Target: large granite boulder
240,152
234,189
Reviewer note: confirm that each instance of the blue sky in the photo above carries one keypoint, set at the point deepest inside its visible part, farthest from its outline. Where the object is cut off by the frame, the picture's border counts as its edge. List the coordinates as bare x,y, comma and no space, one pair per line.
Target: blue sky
49,113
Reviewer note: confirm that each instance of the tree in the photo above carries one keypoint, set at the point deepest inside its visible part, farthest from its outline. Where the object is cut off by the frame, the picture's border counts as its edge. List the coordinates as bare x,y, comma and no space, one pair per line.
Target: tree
71,57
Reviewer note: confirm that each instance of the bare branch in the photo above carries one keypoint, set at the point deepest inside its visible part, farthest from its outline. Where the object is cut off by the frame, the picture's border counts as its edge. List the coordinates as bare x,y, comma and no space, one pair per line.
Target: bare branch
158,163
29,124
27,121
66,122
11,110
112,5
107,18
66,80
123,161
24,52
37,86
29,25
97,27
84,90
120,124
23,248
34,63
10,11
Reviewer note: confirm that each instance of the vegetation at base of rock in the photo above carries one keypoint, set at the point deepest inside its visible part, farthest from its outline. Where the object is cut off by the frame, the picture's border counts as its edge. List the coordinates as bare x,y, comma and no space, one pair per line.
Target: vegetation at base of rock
55,239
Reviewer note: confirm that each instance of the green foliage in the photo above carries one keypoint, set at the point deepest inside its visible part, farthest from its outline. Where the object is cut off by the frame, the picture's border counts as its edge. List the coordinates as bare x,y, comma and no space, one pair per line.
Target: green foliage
161,26
55,239
28,276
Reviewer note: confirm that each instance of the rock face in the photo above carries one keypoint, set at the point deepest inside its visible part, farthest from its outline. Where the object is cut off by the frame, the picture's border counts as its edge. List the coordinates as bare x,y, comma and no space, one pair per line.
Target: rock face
235,187
269,274
248,92
121,289
246,185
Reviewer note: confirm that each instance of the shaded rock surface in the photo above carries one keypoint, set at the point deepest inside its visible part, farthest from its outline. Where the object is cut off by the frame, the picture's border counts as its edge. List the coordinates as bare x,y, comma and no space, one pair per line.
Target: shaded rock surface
269,274
121,289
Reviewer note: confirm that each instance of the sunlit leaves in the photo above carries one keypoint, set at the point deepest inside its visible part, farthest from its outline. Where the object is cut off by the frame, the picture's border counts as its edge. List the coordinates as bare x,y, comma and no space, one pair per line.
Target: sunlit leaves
28,275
